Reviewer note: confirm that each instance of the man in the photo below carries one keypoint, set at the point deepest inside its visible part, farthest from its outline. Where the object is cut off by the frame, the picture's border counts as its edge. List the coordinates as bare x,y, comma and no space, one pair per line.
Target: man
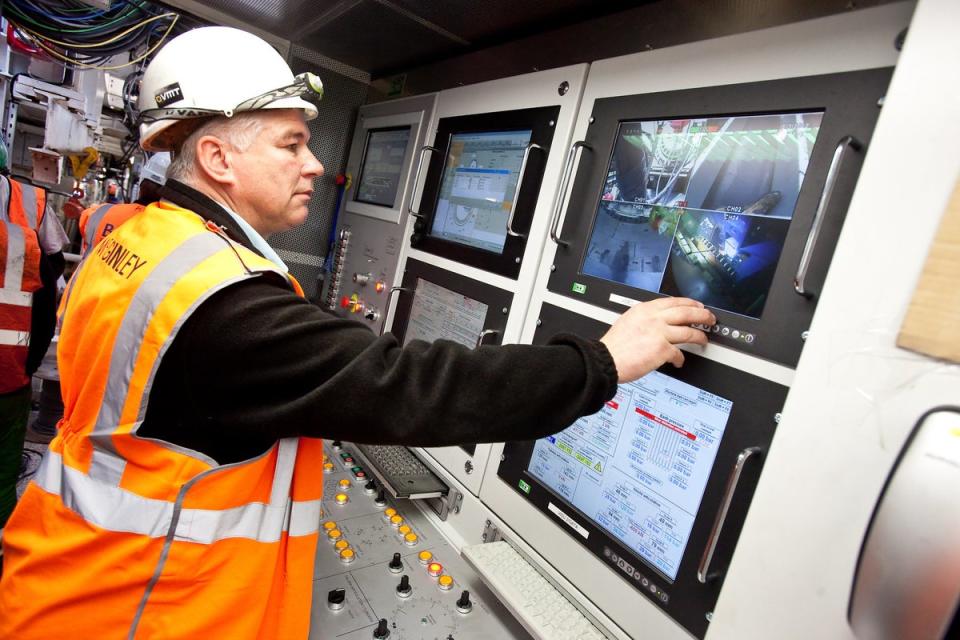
33,241
184,485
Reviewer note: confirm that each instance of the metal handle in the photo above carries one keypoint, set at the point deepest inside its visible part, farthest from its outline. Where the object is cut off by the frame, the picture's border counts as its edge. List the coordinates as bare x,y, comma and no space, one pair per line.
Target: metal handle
484,334
731,488
567,170
799,281
416,180
516,193
386,306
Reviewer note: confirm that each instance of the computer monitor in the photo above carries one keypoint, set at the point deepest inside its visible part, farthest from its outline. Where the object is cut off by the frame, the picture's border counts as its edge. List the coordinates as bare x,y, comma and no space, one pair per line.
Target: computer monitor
732,195
381,169
481,188
700,207
437,313
477,190
640,483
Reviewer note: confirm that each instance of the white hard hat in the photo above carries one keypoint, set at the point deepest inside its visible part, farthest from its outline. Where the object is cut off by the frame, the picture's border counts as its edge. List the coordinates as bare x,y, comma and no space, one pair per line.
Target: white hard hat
216,71
155,168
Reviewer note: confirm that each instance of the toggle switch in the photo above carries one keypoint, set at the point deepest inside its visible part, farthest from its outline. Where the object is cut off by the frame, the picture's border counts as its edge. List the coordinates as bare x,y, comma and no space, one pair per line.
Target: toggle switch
396,565
463,604
381,631
404,589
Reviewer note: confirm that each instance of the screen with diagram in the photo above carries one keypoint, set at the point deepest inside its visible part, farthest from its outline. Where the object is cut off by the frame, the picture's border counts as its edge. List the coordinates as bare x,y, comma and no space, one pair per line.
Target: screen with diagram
638,468
380,173
701,207
438,313
478,187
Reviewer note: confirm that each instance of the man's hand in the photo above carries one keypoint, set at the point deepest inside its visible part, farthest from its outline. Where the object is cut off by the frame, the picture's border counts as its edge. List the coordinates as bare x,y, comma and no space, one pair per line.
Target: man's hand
643,338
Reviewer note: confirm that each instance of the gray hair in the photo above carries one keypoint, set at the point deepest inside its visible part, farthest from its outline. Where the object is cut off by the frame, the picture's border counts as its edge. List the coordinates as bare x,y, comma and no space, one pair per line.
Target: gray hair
240,131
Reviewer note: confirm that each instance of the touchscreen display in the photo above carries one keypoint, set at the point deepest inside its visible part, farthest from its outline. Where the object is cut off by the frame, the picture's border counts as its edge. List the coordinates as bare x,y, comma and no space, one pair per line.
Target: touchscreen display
701,207
478,186
638,468
438,313
382,166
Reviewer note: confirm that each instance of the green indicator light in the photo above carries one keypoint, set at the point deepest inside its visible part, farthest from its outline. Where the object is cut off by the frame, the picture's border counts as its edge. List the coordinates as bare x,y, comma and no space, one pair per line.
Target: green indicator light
524,486
579,288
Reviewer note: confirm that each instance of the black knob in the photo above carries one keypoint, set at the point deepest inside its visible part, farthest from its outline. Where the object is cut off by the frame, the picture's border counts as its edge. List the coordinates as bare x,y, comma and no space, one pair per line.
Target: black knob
381,631
335,598
404,589
396,564
370,487
336,444
381,498
463,604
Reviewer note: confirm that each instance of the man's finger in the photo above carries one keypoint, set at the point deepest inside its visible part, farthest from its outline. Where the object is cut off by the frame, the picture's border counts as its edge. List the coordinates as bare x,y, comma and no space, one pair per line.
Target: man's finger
676,358
687,315
685,335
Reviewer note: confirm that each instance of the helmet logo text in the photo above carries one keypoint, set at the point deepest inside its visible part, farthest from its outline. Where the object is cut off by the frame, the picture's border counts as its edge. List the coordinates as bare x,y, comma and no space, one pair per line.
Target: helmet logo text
169,94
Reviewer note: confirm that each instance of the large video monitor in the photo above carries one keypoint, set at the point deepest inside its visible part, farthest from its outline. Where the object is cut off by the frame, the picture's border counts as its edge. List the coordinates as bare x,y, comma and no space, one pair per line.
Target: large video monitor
640,483
381,169
482,185
712,194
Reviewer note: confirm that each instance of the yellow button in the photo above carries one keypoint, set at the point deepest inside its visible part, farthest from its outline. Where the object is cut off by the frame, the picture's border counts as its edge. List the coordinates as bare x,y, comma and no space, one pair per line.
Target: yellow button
341,545
328,467
404,529
334,534
341,498
445,583
424,557
389,513
396,521
329,524
435,569
347,555
410,539
344,484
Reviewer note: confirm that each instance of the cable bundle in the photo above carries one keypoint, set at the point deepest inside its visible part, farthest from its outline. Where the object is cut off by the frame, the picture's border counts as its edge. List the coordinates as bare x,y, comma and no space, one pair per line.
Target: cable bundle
80,36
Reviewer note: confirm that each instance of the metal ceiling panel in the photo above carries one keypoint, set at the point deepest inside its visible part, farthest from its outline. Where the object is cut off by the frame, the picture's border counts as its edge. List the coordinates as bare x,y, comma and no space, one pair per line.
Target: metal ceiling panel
374,38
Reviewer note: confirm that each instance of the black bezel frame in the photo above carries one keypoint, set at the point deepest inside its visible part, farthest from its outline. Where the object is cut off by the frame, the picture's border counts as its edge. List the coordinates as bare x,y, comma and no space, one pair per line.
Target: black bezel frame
850,105
752,422
542,122
363,165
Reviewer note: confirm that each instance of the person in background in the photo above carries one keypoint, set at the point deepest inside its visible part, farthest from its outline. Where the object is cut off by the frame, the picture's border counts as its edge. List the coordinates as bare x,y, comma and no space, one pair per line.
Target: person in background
185,484
32,243
99,220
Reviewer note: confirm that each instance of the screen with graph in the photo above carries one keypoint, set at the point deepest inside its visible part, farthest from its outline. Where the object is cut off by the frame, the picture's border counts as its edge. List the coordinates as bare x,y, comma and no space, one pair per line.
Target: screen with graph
638,468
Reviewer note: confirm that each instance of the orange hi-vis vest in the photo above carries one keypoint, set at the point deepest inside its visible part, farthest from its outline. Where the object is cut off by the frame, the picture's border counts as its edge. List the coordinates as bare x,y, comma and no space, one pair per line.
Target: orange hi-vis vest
119,536
99,220
26,205
20,258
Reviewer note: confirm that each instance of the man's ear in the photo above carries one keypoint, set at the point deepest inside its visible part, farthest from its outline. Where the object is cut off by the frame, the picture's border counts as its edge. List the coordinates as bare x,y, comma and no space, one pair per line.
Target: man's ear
215,160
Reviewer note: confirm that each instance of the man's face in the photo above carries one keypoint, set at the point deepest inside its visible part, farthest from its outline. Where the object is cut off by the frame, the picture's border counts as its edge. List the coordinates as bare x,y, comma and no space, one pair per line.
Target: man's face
276,173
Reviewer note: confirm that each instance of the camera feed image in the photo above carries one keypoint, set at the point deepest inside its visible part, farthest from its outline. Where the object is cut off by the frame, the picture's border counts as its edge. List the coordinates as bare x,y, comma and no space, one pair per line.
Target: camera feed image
701,207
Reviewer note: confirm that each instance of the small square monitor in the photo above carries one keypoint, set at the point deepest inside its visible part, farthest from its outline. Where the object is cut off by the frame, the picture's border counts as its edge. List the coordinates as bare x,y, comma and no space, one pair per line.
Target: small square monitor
382,165
438,313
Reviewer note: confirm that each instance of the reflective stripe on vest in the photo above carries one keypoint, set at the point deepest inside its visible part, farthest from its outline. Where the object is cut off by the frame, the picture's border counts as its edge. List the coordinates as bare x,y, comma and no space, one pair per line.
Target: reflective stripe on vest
21,277
109,507
26,204
92,226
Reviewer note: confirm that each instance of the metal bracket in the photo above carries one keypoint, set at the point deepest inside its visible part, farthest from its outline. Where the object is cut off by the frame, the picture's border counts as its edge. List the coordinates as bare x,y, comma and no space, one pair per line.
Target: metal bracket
490,532
443,505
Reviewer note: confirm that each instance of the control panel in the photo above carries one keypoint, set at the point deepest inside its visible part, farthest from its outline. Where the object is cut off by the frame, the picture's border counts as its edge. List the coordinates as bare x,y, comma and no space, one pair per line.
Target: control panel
384,571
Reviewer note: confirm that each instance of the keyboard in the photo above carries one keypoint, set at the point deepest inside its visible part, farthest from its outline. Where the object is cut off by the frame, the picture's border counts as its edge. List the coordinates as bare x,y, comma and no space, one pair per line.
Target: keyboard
401,472
539,606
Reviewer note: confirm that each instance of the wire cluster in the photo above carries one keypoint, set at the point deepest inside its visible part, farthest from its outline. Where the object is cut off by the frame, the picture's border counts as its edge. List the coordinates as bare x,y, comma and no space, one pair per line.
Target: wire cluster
82,36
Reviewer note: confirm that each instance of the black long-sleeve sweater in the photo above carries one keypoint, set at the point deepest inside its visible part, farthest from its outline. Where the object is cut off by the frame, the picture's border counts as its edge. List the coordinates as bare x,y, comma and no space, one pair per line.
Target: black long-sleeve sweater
255,363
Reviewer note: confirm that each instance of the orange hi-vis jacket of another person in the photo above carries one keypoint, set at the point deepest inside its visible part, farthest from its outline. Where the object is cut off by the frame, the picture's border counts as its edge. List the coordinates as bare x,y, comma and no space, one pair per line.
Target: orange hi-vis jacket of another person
207,538
20,255
27,205
99,220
